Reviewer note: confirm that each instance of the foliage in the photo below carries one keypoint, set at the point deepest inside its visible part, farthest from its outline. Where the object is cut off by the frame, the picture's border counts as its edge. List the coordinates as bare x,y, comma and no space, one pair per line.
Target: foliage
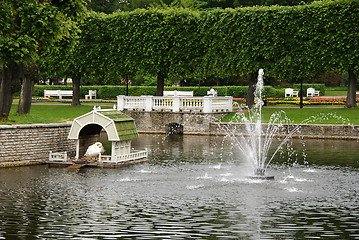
290,43
28,27
320,87
107,91
104,6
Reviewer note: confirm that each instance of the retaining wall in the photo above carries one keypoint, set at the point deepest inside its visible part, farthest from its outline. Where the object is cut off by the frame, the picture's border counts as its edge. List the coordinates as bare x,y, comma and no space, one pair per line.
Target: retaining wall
319,131
148,122
30,144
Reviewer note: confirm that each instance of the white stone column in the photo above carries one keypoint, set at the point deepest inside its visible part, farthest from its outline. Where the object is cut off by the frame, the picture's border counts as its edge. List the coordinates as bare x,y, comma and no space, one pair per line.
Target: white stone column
77,149
176,104
230,103
207,104
148,103
120,102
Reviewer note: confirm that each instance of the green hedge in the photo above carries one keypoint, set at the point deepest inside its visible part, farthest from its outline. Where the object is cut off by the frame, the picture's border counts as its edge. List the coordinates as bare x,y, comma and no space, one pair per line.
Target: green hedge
320,87
114,91
289,42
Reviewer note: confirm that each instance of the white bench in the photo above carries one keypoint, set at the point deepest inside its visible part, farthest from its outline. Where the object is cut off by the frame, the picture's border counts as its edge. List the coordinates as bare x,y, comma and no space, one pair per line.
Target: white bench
58,93
289,92
176,93
311,92
92,93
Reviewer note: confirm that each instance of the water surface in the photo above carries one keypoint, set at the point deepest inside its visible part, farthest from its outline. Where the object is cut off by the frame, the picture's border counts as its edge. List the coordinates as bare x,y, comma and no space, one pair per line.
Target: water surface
191,188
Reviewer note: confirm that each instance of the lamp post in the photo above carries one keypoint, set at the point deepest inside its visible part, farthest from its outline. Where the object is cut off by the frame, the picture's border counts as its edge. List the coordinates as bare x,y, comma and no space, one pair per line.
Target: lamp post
301,94
199,85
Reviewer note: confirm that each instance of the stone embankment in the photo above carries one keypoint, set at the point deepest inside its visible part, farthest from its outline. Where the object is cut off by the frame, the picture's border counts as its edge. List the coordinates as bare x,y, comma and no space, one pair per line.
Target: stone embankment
31,144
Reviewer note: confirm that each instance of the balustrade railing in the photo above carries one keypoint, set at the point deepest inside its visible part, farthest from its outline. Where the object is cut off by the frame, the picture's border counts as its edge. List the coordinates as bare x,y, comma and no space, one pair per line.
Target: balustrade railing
175,104
125,157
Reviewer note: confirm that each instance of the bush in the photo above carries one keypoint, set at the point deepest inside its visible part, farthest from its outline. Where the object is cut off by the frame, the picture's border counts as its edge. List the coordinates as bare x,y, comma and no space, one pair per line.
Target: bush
320,87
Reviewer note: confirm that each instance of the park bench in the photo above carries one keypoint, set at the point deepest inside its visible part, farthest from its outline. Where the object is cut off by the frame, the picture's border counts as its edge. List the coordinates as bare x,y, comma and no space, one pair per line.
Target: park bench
92,93
176,93
311,92
289,92
58,93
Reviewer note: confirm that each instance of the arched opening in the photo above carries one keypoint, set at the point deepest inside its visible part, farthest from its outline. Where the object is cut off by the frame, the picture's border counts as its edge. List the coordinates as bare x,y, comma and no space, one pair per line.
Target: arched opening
174,128
88,135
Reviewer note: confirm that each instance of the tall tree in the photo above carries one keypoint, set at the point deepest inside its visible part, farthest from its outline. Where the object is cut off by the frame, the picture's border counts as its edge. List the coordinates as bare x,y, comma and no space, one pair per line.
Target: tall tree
26,29
30,76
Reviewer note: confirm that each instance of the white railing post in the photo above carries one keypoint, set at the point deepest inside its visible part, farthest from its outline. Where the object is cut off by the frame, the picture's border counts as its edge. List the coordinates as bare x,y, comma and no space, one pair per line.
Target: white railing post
207,104
120,102
176,104
77,149
148,103
230,103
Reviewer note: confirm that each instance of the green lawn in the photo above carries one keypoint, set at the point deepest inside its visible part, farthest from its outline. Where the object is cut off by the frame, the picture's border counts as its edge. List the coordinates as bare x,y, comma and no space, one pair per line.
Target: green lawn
298,115
335,93
52,113
47,114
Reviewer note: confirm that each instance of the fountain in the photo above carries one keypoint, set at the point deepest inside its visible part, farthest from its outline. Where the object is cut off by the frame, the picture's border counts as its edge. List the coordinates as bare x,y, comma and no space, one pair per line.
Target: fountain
258,144
255,141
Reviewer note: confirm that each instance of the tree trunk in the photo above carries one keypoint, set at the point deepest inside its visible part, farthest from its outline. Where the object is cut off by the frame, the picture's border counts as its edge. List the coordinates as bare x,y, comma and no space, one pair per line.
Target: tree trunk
160,84
10,83
25,96
351,95
251,89
75,92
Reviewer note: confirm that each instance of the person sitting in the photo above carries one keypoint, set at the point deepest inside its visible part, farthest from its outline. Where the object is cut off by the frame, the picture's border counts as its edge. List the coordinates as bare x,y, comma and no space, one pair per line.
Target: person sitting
212,92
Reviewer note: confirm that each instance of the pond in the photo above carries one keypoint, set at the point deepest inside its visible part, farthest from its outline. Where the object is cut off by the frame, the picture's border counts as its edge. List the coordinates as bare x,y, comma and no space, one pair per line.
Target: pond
192,187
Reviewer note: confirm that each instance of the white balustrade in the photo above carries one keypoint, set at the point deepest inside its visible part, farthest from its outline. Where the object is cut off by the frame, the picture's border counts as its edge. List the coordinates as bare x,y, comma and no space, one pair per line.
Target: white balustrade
175,104
58,156
125,157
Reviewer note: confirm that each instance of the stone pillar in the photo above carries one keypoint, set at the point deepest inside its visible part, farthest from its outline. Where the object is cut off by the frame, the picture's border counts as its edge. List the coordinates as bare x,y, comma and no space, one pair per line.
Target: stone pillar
120,102
148,103
229,103
207,104
176,104
77,149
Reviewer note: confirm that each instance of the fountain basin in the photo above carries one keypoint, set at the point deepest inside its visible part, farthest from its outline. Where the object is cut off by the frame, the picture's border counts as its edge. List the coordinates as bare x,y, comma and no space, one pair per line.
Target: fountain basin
260,174
261,177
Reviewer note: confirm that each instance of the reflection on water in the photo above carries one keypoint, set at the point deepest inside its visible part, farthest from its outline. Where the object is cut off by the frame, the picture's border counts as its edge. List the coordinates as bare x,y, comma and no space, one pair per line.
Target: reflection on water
191,188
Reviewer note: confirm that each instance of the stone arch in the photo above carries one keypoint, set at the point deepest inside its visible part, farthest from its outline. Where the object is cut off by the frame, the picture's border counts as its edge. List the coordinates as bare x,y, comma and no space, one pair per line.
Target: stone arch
92,119
174,128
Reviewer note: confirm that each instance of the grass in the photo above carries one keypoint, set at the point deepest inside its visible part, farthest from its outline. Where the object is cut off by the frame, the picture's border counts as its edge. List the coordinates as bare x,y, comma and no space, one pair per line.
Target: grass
47,114
53,113
335,93
298,115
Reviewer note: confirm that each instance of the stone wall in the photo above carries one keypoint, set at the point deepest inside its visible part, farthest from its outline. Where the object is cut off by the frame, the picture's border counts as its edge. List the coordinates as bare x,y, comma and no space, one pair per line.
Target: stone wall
30,144
159,121
320,131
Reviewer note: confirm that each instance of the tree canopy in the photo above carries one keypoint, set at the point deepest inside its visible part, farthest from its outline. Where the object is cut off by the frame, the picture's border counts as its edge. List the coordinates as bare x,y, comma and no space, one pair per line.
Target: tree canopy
27,29
289,42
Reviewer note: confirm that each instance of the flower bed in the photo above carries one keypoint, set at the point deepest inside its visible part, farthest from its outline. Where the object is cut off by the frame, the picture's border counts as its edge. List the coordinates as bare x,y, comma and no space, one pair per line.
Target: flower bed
308,101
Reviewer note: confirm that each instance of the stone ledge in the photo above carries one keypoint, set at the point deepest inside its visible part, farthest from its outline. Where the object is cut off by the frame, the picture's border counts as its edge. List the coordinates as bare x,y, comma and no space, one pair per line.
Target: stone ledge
20,163
44,125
